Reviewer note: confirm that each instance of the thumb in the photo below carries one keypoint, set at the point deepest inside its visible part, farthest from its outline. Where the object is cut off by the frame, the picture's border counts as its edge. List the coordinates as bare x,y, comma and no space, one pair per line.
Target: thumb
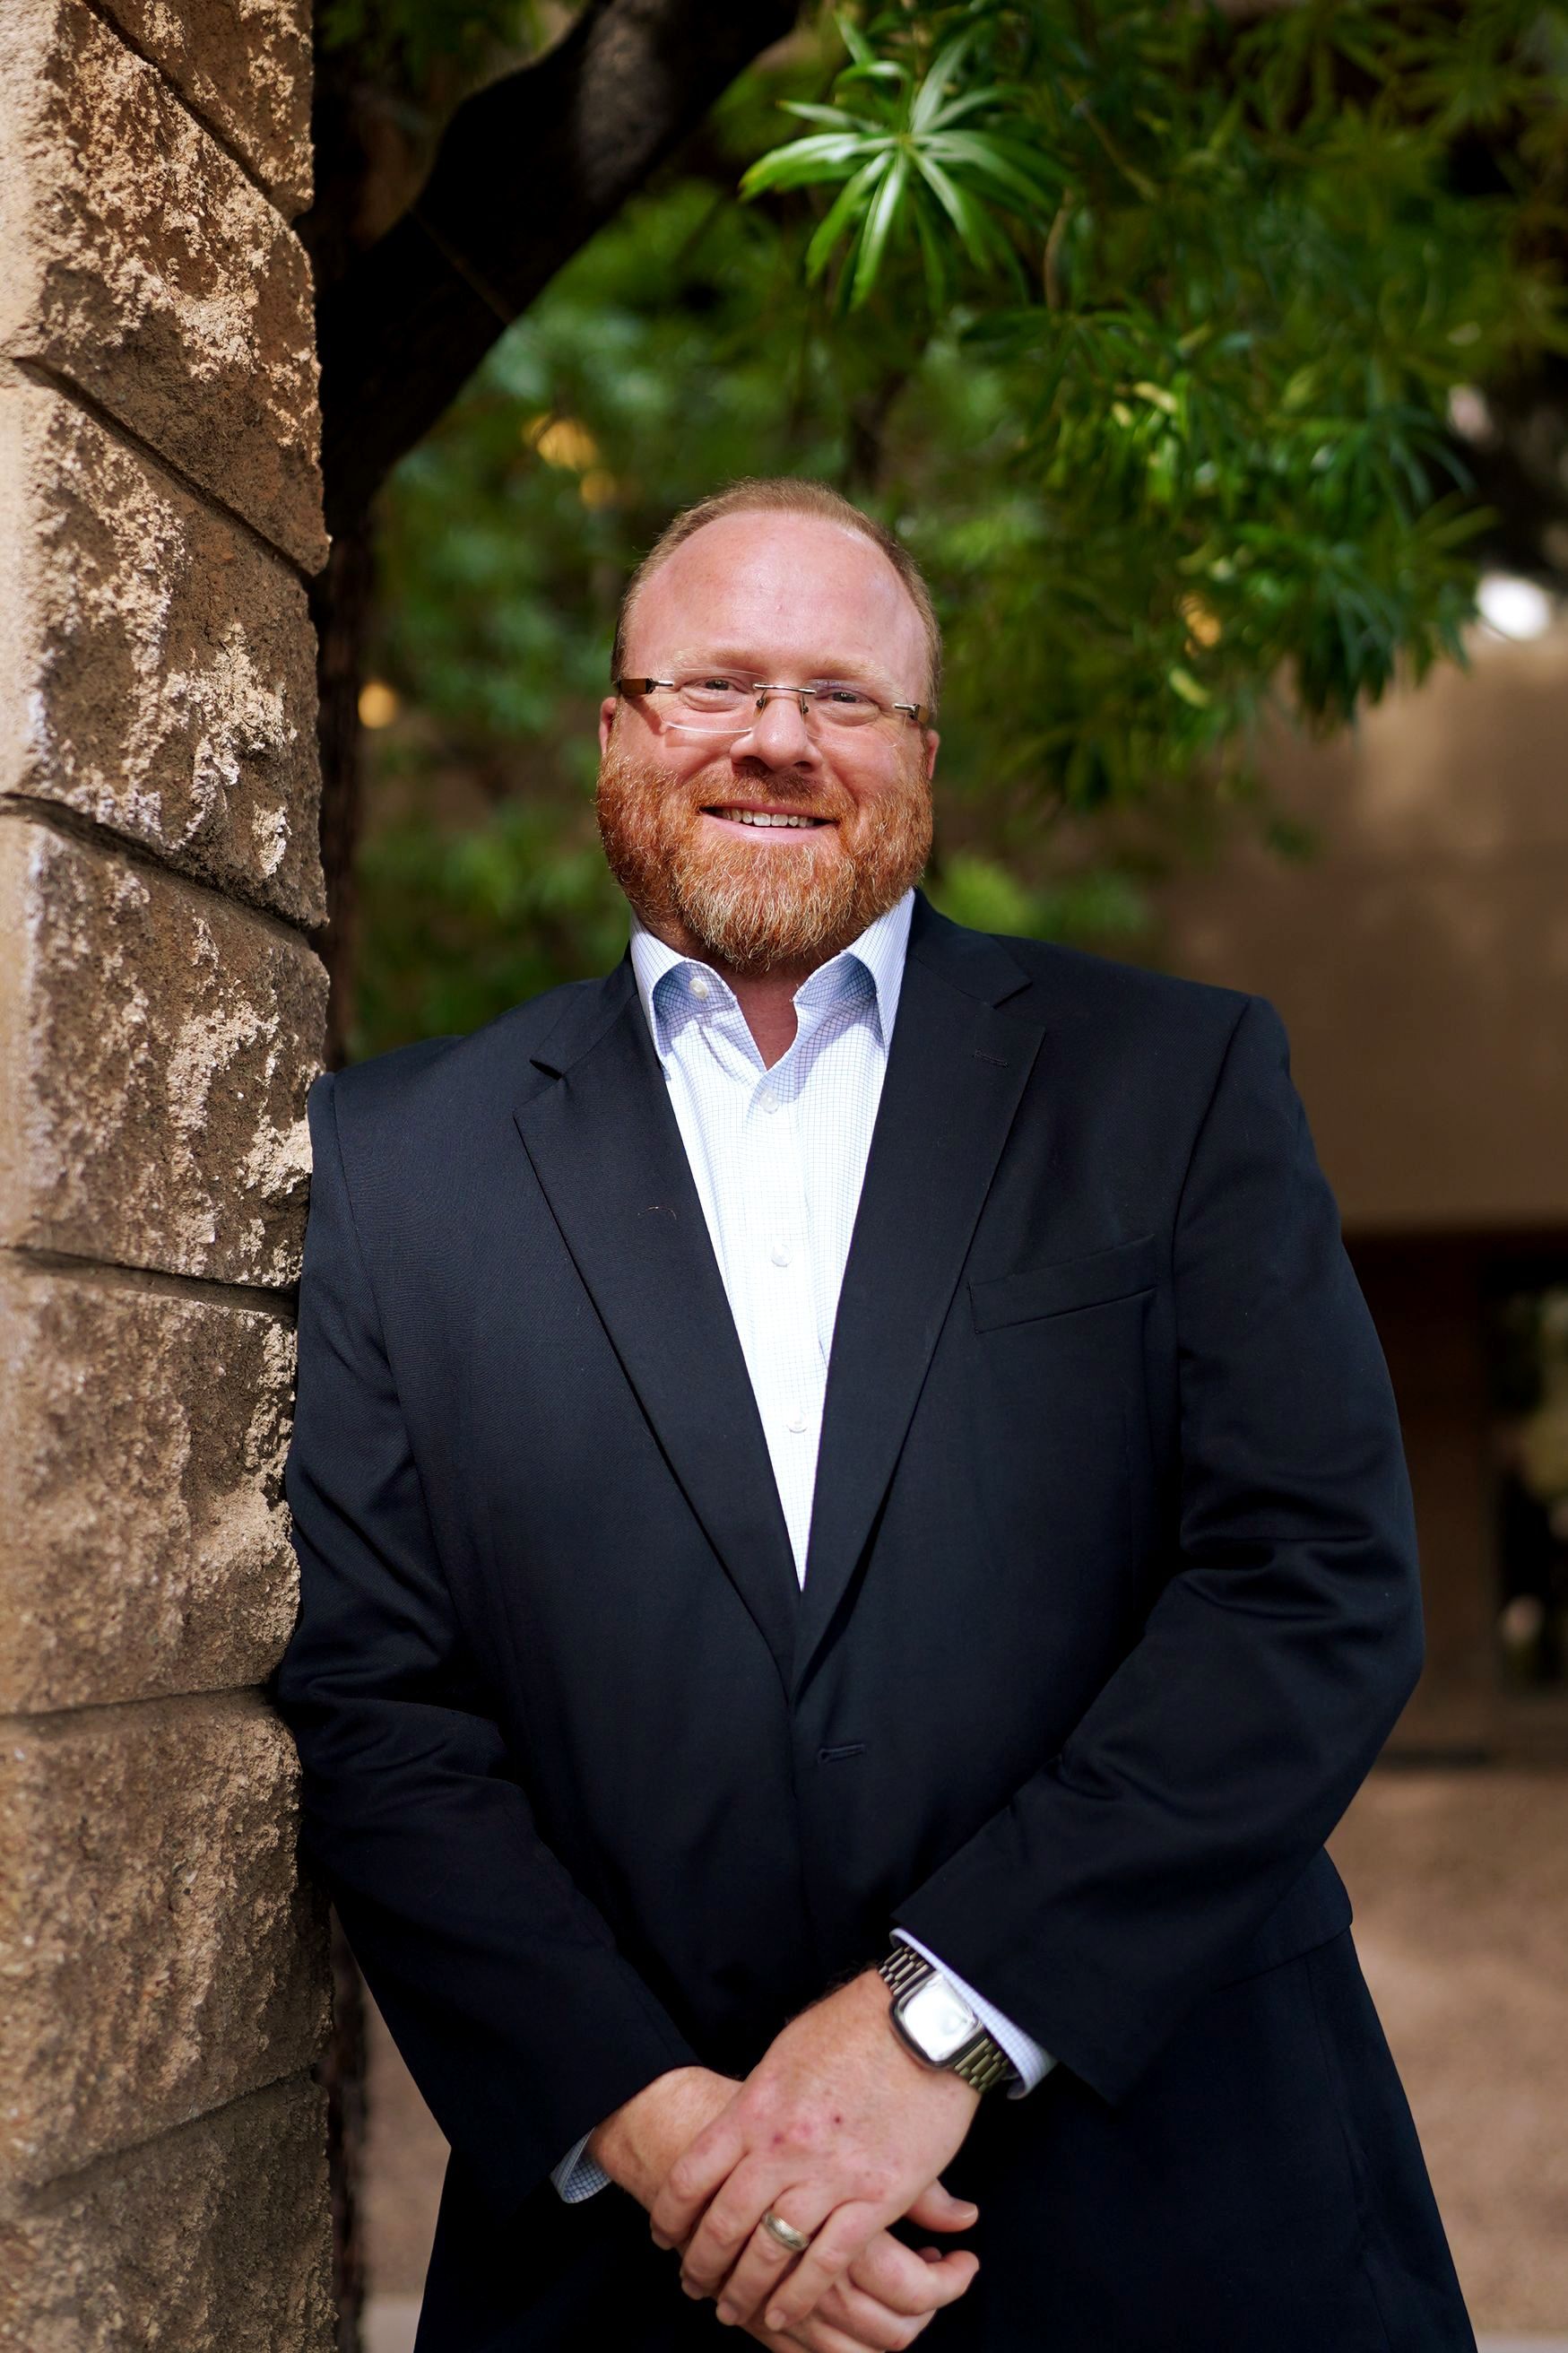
936,2210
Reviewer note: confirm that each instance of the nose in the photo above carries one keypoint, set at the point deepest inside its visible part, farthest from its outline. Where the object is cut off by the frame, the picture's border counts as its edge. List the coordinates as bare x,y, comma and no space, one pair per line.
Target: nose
779,734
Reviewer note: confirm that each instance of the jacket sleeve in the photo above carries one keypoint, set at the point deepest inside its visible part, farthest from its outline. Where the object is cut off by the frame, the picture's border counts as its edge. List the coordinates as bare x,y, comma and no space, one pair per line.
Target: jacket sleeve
520,2020
1126,1878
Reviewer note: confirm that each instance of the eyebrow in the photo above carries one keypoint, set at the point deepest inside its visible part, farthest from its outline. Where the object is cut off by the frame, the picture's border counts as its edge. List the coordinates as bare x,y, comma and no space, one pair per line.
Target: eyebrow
852,673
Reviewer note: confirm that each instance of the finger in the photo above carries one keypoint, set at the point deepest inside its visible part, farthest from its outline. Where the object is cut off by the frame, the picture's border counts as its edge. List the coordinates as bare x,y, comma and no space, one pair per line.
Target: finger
733,2213
817,2335
694,2177
792,2341
937,2209
868,2321
908,2282
841,2238
763,2261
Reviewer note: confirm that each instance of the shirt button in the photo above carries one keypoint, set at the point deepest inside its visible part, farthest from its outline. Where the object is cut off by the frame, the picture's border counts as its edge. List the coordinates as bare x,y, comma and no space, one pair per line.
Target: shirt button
767,1098
797,1423
699,987
781,1252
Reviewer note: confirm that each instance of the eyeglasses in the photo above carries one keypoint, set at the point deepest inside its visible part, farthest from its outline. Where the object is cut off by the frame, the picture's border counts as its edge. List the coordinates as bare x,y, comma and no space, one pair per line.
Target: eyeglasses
716,703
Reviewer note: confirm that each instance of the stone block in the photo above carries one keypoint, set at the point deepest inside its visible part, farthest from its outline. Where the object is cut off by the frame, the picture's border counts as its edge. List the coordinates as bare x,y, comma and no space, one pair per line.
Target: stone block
142,1434
160,1954
157,667
216,2235
156,1044
244,66
145,267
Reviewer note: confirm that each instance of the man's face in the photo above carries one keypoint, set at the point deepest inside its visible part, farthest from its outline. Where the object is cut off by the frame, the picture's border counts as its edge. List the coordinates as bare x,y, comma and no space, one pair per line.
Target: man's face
794,599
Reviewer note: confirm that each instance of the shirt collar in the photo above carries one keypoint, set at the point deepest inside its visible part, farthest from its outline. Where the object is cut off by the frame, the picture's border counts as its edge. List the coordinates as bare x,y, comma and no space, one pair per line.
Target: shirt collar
879,951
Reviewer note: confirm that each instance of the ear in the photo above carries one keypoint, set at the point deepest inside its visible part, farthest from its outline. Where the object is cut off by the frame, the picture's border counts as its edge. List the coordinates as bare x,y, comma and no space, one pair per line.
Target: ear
931,740
607,710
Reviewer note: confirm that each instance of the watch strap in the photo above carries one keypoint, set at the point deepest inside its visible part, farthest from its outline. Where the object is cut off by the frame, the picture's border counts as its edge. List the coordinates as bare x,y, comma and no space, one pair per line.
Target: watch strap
903,1966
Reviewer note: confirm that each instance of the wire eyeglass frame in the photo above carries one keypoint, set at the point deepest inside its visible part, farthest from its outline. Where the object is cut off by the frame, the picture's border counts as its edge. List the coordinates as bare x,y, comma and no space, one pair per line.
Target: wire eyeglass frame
806,695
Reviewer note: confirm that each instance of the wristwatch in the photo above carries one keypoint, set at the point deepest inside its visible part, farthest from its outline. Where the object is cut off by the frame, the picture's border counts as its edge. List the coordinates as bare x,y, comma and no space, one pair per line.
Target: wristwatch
932,2019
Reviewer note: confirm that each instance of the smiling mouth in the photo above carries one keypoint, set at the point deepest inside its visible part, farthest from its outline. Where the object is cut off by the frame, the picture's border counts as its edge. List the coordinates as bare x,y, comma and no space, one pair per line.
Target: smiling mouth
769,820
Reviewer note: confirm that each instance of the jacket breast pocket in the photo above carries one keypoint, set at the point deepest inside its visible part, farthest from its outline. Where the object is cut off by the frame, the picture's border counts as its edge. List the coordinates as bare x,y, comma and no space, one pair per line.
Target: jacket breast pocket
1073,1282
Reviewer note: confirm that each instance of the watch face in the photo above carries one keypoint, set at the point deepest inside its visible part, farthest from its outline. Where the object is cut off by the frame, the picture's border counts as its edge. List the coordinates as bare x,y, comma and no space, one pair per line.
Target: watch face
938,2020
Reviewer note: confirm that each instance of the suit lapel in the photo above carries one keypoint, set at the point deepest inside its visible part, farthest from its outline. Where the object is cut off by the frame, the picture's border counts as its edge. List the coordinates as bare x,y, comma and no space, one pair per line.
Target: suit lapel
957,1070
607,1152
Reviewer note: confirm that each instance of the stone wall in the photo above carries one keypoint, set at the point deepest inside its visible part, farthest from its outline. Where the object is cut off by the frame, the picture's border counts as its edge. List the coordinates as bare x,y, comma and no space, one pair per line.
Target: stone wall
163,1977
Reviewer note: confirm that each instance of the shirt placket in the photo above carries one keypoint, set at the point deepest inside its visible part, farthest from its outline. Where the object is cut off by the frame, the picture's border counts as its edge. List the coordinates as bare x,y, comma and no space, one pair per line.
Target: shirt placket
788,1369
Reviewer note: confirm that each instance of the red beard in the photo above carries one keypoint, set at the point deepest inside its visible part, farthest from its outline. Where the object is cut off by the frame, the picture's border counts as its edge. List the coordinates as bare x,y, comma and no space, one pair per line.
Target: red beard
750,906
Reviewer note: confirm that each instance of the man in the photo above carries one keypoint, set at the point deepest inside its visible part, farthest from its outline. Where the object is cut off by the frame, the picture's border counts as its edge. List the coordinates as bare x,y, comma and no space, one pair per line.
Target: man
854,1545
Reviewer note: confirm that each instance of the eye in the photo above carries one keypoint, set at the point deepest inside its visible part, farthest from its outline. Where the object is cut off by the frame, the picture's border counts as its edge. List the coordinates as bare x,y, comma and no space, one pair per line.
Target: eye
710,686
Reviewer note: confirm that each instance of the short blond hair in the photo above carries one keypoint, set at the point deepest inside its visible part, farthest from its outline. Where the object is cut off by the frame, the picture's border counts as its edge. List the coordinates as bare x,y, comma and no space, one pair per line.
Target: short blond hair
788,494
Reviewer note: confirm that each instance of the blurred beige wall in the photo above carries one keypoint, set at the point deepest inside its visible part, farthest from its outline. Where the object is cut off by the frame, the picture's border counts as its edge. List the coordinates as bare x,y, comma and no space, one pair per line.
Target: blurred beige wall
1420,963
1420,960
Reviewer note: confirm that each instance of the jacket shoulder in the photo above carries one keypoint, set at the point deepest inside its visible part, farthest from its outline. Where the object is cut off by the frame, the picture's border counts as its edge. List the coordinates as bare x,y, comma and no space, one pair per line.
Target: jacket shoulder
1081,983
402,1121
436,1075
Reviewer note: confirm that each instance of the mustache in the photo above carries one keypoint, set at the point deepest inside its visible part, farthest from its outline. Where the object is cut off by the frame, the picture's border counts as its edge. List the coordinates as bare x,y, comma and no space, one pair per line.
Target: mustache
689,797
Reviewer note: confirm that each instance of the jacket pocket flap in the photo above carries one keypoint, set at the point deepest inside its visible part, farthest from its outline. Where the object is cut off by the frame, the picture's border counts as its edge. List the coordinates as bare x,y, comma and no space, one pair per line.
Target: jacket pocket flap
1073,1282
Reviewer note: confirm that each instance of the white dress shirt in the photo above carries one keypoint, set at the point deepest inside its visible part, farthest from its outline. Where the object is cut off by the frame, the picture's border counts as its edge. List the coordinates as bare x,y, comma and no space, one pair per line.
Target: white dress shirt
778,1158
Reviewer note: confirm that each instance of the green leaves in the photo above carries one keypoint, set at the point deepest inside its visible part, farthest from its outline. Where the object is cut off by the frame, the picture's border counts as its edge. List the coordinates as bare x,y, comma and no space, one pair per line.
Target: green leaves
915,160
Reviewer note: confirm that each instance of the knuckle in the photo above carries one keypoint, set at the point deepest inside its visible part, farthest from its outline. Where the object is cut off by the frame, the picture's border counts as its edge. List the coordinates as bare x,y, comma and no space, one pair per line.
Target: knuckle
725,2226
760,2102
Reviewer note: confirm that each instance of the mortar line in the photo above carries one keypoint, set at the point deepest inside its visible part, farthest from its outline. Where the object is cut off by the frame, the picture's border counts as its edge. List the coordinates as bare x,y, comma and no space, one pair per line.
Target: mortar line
122,1274
58,380
187,104
38,2198
15,1721
58,817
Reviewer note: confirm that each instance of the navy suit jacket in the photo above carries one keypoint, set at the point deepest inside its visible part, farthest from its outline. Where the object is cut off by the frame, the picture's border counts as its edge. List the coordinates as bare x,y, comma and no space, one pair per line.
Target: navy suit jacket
1110,1601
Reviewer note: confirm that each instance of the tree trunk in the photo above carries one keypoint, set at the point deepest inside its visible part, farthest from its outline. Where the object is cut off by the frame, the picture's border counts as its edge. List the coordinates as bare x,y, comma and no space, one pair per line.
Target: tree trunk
340,607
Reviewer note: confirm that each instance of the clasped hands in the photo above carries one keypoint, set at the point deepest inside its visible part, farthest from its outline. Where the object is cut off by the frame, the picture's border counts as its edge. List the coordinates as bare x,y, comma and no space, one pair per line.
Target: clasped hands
838,2131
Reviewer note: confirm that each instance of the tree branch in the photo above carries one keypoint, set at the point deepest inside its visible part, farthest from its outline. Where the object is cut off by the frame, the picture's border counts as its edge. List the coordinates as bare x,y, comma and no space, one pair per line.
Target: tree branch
525,173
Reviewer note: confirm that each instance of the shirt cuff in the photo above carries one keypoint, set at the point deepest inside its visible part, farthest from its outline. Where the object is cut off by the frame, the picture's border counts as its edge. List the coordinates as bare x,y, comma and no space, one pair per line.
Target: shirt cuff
579,2176
1031,2062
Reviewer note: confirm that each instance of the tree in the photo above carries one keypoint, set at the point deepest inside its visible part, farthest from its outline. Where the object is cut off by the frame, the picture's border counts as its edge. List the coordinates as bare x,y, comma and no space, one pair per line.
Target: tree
435,225
1153,323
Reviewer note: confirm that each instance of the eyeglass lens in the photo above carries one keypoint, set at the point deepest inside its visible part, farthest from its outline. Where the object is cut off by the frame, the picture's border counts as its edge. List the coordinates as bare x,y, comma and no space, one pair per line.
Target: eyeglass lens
717,705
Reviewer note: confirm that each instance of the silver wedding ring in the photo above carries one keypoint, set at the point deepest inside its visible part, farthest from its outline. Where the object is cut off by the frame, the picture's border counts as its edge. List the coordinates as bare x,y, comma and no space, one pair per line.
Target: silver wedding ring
786,2234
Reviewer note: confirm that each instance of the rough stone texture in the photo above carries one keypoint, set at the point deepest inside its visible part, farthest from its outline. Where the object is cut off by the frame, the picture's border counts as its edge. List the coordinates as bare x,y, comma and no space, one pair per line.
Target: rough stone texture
218,2234
159,1044
159,1953
142,265
157,667
142,1435
164,1969
244,66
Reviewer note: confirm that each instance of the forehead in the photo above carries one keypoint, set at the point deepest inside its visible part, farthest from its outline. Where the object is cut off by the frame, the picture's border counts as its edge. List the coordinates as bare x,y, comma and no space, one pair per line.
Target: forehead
780,587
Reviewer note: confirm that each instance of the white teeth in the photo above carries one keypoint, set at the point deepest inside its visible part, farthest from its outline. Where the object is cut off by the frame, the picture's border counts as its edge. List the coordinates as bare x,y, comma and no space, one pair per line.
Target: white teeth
766,816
